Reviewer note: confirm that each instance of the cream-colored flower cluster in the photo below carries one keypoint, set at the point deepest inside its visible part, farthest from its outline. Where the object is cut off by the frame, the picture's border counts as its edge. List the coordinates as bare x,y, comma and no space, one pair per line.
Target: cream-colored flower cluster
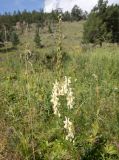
61,89
68,125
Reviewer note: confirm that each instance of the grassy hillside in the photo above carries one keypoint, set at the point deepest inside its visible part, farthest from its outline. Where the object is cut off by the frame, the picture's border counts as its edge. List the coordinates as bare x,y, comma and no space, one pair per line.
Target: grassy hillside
29,128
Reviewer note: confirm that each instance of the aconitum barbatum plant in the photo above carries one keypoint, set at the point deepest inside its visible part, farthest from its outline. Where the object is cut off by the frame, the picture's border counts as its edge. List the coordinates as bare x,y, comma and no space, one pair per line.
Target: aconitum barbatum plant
63,88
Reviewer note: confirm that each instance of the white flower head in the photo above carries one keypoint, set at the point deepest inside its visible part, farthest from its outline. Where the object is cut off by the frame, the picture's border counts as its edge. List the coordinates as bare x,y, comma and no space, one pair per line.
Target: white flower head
68,125
95,76
63,88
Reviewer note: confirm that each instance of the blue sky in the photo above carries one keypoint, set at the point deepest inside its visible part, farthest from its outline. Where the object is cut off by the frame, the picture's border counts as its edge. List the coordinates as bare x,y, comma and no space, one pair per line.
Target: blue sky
48,5
11,5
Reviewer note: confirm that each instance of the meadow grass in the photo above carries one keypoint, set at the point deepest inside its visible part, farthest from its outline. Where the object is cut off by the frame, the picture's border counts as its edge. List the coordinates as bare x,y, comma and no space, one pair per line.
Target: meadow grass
29,129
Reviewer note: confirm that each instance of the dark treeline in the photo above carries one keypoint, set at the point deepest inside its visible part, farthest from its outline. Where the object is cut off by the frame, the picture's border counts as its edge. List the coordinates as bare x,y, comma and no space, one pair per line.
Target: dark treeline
76,14
102,24
22,20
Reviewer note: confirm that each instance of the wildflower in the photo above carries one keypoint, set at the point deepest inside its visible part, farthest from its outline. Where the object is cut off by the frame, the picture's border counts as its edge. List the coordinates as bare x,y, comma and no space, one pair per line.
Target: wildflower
68,125
70,99
75,80
55,99
115,88
61,89
95,76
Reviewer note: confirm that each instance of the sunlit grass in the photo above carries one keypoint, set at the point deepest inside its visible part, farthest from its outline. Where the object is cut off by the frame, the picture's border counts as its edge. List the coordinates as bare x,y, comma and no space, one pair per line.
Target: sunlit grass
30,129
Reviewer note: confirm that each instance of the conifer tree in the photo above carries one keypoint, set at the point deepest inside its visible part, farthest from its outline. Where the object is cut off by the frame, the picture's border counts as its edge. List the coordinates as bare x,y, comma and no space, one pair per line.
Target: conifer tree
37,40
102,24
14,39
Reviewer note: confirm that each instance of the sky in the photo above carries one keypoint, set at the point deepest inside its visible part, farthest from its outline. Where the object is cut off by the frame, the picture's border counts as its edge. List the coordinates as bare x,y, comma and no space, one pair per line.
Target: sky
68,4
11,5
48,5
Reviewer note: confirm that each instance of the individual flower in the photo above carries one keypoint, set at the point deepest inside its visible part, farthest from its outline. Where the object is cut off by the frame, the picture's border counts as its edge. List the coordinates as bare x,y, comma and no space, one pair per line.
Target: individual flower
95,76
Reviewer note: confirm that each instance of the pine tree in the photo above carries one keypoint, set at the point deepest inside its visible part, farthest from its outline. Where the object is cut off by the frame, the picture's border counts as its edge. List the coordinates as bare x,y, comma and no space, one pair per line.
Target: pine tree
14,39
66,16
102,24
37,40
76,13
1,39
50,29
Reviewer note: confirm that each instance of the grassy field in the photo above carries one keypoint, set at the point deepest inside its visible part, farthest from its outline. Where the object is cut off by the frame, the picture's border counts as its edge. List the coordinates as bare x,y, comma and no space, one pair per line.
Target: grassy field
29,130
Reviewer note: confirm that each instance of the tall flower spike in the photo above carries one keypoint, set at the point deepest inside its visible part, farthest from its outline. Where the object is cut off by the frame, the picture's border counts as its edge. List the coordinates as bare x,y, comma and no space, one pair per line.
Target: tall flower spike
61,89
68,125
70,99
55,99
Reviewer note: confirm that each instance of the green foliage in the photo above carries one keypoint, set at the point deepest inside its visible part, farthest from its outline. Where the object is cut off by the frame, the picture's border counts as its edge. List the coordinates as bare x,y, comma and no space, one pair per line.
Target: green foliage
5,33
14,39
76,13
66,16
112,22
40,17
1,39
50,29
102,24
93,29
31,130
37,40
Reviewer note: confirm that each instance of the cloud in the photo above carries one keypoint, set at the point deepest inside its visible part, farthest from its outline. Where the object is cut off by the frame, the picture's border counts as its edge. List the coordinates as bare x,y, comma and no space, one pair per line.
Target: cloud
113,1
49,5
68,4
